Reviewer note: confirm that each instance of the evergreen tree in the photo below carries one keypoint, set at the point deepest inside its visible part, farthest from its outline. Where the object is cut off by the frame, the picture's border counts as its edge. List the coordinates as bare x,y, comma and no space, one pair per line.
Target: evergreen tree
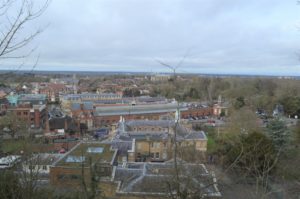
279,133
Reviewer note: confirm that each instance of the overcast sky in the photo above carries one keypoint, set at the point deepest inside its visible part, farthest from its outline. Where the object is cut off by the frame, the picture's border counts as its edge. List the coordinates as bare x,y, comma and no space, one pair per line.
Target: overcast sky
228,36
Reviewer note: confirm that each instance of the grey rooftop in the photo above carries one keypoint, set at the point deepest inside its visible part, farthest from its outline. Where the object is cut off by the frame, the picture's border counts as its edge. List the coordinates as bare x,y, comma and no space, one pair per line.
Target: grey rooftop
138,109
157,179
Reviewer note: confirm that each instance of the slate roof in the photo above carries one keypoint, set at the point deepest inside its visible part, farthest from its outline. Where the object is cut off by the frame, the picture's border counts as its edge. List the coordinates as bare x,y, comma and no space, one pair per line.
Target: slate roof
128,100
153,178
160,123
148,135
86,106
112,101
138,109
194,135
122,146
91,96
32,97
183,133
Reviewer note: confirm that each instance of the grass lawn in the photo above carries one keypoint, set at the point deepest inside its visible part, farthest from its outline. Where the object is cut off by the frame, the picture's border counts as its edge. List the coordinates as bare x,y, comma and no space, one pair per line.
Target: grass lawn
81,150
15,146
211,145
12,146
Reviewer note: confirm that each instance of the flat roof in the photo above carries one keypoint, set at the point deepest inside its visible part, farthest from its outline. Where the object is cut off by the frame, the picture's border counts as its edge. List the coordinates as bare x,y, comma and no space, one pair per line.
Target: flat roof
83,153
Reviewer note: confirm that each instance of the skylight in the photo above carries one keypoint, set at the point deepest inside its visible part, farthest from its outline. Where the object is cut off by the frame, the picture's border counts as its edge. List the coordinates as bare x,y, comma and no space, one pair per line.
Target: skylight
95,150
74,159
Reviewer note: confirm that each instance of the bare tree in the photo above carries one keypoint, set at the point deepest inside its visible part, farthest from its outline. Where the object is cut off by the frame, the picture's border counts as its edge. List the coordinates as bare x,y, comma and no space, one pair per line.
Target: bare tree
181,190
15,16
15,40
177,181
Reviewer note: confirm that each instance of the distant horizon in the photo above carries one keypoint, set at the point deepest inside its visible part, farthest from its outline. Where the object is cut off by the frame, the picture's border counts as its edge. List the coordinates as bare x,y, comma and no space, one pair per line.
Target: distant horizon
128,72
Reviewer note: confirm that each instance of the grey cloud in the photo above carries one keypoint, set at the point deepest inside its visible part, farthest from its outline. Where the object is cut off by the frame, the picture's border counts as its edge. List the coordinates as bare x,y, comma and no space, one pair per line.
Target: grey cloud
224,36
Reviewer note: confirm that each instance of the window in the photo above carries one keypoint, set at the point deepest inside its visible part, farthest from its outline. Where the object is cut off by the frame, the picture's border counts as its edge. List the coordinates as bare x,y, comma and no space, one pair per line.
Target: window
61,176
44,167
139,145
165,144
164,155
74,177
155,144
95,149
152,155
157,155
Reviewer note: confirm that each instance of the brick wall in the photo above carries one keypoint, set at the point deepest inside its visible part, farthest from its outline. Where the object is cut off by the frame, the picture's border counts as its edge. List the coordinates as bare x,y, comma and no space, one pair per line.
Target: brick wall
196,112
108,120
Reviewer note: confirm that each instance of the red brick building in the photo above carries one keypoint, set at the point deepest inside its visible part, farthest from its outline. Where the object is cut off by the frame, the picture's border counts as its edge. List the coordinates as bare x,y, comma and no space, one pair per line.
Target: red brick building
34,115
76,164
52,90
3,106
197,112
83,114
